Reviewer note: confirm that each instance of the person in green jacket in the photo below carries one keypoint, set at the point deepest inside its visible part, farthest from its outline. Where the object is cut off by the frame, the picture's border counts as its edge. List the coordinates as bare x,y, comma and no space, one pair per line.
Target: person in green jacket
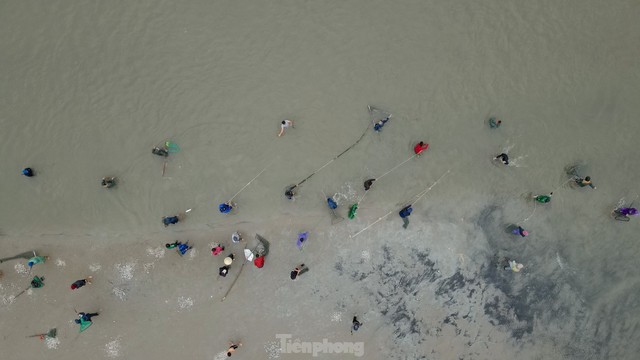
543,199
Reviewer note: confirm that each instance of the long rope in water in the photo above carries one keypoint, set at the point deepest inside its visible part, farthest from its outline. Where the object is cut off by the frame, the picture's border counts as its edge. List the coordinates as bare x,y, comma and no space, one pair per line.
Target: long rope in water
535,205
395,167
417,196
563,184
383,175
244,187
332,160
533,212
363,196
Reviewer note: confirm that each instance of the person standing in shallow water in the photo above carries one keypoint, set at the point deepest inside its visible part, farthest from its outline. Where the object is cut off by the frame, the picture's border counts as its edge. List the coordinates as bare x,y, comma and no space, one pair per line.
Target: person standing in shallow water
226,207
171,220
586,181
232,348
543,199
108,182
520,231
285,124
624,213
368,184
404,214
420,148
504,158
378,126
290,192
160,151
28,172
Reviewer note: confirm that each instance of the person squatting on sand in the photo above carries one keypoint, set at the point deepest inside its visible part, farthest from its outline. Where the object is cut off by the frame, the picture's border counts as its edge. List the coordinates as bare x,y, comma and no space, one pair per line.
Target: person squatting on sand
181,247
80,283
217,249
355,324
513,266
236,237
299,270
223,270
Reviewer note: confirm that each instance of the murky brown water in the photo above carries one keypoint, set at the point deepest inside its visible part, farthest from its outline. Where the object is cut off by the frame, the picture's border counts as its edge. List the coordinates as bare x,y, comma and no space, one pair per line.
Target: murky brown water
89,88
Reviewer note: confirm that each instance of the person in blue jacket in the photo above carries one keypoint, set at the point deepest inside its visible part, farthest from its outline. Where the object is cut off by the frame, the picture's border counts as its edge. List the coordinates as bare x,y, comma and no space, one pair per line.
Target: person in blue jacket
170,220
404,214
28,172
225,208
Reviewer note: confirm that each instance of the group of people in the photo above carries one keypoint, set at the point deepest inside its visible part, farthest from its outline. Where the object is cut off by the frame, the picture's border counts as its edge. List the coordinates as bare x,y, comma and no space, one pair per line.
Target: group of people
107,181
85,318
620,213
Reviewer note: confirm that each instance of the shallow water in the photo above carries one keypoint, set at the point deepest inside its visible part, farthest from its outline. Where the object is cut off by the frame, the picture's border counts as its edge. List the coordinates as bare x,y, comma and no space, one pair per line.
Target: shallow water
89,88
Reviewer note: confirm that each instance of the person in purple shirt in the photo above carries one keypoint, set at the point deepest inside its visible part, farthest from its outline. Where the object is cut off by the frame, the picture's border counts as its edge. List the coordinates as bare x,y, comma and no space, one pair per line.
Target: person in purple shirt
623,213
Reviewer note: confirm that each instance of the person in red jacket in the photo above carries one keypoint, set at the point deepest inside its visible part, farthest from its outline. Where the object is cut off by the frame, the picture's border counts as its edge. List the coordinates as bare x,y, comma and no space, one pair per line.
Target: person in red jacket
420,147
259,261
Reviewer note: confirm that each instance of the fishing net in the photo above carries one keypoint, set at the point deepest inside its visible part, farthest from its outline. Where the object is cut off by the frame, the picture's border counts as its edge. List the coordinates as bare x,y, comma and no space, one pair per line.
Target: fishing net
262,249
84,324
171,146
377,115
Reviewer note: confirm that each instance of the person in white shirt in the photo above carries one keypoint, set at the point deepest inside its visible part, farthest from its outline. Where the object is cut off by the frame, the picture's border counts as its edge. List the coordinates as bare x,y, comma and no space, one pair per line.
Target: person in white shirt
285,124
